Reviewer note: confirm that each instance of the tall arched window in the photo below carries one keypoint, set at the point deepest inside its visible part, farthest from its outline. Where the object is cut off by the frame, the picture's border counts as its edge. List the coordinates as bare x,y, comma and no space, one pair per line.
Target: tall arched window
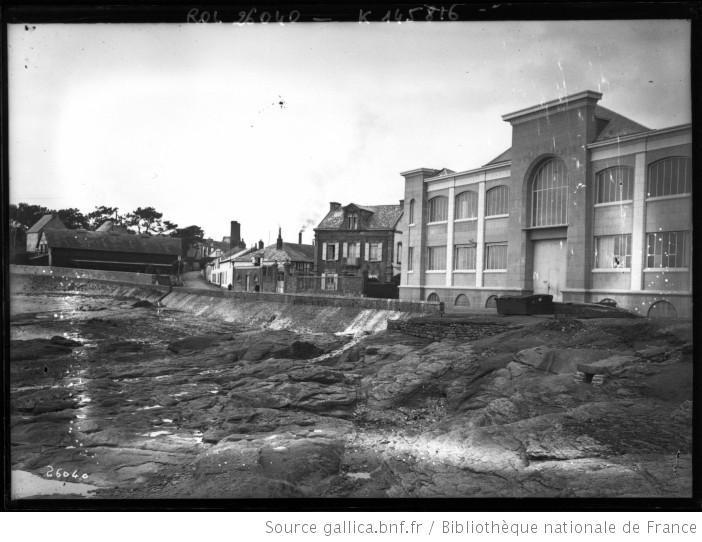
496,201
466,205
614,184
411,211
669,176
438,209
549,194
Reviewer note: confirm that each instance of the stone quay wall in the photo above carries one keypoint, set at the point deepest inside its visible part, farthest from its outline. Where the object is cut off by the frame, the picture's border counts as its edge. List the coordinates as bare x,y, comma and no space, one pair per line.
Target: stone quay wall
421,307
145,280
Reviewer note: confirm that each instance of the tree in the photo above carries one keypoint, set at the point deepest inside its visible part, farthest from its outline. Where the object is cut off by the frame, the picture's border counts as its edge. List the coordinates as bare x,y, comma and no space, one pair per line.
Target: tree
191,232
189,236
23,215
103,213
165,228
144,219
73,219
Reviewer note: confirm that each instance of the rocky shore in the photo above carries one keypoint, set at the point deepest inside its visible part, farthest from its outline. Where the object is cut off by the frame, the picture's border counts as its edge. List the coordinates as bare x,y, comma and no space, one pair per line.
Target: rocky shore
154,403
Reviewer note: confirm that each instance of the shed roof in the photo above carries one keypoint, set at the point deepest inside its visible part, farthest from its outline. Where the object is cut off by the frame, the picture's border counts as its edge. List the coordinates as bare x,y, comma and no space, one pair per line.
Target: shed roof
113,241
383,217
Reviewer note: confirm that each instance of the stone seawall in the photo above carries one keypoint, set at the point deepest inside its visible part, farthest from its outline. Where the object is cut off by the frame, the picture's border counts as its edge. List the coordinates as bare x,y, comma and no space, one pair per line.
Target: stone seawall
88,275
76,282
295,312
83,274
320,300
447,328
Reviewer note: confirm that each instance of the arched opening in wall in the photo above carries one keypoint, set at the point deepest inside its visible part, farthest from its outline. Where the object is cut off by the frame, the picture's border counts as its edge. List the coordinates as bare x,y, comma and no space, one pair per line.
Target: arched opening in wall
548,194
662,309
462,301
491,302
438,209
607,301
433,298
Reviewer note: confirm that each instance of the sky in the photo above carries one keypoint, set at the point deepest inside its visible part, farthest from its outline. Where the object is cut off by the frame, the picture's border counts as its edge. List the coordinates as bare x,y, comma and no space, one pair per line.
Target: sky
266,124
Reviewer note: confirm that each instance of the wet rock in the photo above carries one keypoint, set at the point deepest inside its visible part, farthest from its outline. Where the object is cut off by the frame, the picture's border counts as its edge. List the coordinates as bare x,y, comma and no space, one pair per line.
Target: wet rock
121,346
300,350
301,461
607,366
316,374
63,341
143,303
654,353
36,348
195,344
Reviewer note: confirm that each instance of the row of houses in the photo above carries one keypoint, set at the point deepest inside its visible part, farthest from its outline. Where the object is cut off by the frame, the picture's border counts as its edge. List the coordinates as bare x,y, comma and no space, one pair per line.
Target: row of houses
355,252
586,205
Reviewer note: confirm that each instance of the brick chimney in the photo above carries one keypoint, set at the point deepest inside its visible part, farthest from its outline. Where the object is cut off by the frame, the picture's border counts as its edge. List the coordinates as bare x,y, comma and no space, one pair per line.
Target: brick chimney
334,206
279,241
299,238
402,203
260,244
234,234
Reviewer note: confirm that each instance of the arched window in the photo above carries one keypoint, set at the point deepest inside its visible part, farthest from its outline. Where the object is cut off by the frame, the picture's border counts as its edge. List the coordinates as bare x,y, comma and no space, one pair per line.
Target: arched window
614,184
411,211
466,205
462,301
491,302
669,176
662,309
438,209
549,194
433,298
496,201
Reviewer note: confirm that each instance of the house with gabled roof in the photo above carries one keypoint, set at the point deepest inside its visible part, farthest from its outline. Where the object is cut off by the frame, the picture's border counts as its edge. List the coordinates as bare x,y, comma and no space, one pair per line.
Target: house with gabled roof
46,222
358,241
274,268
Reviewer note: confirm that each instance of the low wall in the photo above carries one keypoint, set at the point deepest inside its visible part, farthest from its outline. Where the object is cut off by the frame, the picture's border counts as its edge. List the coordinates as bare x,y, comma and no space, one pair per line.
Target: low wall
82,274
438,328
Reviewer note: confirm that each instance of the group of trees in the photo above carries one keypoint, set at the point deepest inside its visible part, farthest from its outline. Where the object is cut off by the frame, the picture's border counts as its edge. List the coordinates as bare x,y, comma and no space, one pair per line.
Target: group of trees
143,220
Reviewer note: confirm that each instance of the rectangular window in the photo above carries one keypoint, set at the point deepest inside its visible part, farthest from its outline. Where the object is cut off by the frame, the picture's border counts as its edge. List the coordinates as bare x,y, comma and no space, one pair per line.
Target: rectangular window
436,258
667,249
353,221
464,257
376,252
352,253
399,253
613,251
496,256
330,282
410,258
352,250
331,251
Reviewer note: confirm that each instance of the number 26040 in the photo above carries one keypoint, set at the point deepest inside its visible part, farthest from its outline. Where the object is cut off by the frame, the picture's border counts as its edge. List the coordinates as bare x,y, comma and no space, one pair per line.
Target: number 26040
61,473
